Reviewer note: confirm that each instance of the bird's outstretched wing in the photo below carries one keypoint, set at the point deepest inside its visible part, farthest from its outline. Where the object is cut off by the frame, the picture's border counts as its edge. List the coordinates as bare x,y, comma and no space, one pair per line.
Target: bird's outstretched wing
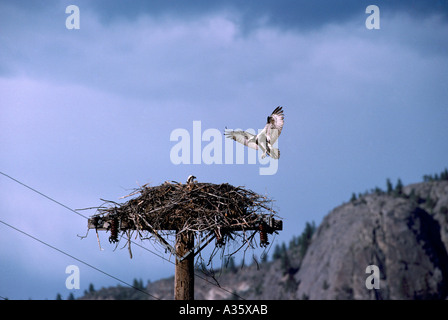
274,128
243,137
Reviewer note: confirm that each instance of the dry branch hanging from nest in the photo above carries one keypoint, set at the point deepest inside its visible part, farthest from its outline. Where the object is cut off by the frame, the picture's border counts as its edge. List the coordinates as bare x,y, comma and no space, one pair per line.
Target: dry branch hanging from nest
199,207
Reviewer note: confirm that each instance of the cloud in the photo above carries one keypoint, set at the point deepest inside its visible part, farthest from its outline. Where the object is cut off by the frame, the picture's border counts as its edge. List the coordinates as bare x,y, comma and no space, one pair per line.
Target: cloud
249,15
158,59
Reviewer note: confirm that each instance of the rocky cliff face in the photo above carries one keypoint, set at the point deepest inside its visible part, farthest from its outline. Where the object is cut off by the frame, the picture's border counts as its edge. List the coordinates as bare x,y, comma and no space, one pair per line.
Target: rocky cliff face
404,234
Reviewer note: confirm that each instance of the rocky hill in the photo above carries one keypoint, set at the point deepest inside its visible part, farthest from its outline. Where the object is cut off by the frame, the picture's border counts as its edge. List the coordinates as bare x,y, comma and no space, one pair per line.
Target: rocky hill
403,231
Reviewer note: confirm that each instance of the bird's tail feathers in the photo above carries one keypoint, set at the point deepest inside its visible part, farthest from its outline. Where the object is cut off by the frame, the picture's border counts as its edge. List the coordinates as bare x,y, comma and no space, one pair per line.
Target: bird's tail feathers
274,153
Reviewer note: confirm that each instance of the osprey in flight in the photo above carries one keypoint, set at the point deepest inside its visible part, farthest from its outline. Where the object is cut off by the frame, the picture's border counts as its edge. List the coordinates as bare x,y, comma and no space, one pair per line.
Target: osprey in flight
266,138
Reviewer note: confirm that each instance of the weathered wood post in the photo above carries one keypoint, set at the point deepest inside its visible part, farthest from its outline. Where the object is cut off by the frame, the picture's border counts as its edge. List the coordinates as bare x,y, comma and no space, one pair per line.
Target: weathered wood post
184,270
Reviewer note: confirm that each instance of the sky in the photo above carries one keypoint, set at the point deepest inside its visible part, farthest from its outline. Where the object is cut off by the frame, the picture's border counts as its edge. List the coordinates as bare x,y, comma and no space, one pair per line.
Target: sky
87,114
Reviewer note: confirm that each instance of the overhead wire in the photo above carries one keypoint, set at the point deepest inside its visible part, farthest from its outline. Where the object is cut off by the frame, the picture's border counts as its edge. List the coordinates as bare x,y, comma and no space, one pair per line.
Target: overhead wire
77,259
44,195
133,242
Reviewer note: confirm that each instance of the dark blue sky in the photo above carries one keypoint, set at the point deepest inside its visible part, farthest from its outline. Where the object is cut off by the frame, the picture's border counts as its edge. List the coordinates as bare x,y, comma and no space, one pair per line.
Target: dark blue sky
87,114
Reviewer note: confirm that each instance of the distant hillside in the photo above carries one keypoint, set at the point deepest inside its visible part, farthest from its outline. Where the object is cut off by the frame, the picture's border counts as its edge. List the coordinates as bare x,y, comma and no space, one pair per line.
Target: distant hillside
403,231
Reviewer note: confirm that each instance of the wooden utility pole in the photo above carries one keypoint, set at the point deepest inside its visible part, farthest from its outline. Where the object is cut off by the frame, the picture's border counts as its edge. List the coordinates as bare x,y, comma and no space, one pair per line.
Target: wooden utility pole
184,273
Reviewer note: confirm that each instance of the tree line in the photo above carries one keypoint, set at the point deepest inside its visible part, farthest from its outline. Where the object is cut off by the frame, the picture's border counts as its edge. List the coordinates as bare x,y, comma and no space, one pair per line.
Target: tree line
397,190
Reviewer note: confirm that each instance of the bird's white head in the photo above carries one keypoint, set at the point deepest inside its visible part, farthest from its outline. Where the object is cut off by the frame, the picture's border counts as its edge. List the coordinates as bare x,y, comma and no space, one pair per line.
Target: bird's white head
190,179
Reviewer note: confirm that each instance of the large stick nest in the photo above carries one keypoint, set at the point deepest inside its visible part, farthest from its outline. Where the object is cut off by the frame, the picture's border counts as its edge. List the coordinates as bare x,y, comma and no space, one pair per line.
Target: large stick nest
195,207
219,211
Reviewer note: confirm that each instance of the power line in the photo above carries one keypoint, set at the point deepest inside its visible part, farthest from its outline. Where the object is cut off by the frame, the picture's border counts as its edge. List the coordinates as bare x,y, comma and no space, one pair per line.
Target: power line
79,260
74,211
43,195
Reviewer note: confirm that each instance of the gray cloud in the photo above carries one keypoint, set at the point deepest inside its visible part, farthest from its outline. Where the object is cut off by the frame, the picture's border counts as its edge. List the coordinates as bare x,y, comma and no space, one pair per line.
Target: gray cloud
253,13
249,14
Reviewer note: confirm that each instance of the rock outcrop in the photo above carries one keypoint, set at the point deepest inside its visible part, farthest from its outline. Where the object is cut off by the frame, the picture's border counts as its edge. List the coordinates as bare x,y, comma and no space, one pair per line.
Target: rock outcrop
404,234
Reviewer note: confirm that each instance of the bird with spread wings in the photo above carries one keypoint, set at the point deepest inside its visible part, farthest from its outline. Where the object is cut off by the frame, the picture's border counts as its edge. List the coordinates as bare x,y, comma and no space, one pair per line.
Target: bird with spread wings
266,138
